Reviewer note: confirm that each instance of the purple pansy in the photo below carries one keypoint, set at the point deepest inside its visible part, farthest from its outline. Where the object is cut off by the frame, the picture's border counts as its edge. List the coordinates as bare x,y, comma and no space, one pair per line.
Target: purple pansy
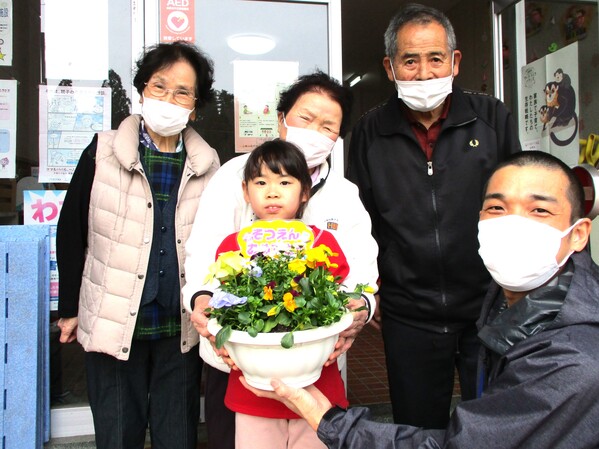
223,299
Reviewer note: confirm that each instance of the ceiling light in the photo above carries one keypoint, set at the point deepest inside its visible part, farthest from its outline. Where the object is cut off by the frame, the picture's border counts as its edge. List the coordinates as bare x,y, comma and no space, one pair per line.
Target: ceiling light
251,44
354,79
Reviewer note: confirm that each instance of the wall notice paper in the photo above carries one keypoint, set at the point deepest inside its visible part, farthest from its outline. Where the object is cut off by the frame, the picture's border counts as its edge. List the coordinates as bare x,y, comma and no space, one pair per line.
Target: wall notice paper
76,39
549,107
6,32
42,207
8,128
69,118
257,85
177,20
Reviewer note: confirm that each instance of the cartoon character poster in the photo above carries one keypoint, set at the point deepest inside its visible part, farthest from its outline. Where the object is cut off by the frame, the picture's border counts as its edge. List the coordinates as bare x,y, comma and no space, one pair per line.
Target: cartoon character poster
549,107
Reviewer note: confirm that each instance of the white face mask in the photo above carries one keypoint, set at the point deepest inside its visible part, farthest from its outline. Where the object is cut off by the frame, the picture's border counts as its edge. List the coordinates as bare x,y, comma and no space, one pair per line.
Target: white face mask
424,96
520,253
164,118
315,146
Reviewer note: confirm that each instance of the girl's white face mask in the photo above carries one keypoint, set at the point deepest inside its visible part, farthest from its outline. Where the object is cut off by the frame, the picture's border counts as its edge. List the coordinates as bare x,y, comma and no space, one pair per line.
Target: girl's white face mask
520,253
424,96
315,146
164,118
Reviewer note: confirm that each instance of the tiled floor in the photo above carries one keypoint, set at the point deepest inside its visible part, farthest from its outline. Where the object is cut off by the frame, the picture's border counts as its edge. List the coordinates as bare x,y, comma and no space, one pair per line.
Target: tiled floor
367,373
366,370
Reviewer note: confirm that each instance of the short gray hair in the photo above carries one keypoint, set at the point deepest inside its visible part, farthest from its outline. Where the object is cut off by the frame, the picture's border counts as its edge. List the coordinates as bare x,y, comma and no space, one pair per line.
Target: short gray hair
421,15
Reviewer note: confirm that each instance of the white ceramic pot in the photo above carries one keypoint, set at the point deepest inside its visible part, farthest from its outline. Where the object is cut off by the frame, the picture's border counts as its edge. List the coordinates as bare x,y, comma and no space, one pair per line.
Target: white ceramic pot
262,358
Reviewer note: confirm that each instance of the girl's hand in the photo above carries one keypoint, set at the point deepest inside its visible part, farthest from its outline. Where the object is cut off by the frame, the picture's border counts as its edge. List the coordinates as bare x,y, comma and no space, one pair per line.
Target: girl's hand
347,337
223,354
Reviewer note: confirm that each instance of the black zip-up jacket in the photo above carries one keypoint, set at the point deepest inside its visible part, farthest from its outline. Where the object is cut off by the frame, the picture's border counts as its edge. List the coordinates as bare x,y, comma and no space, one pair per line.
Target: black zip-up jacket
425,213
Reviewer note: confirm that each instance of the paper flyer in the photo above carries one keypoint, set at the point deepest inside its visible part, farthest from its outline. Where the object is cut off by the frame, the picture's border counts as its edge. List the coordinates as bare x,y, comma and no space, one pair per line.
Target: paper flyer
6,32
549,107
69,118
76,39
8,128
257,85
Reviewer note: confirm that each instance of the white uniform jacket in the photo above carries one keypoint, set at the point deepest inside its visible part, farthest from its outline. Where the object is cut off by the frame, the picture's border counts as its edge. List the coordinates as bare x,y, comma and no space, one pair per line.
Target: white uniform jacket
336,207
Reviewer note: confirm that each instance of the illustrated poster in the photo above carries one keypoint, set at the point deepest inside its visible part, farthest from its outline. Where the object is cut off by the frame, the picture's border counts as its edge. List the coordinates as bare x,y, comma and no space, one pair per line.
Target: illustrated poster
257,85
8,128
69,118
549,107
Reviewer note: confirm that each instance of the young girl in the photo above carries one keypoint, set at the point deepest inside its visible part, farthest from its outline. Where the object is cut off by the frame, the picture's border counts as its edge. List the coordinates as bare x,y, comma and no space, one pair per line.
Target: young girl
277,185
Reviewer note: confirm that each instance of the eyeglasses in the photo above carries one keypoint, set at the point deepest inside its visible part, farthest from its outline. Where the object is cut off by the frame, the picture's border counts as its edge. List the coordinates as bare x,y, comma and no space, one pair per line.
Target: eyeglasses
181,96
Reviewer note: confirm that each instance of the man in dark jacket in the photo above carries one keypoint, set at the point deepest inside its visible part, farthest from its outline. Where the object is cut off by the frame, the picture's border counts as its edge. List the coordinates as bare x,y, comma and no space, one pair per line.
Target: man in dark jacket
420,162
539,328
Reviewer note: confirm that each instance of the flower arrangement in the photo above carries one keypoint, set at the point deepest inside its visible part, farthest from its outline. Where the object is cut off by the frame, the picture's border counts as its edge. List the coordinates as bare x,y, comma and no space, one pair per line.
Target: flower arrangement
277,291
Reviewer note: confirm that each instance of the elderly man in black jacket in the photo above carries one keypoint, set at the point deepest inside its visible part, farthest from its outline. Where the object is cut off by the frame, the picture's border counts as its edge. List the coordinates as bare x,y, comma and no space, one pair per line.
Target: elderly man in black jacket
539,328
421,161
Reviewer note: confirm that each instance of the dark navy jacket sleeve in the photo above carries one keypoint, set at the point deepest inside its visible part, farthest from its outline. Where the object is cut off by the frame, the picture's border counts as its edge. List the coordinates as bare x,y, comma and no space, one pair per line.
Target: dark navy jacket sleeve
340,429
71,233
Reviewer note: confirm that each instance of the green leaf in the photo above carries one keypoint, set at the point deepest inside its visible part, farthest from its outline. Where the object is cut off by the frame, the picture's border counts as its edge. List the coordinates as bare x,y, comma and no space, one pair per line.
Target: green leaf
284,318
259,325
223,336
269,325
287,340
244,317
253,332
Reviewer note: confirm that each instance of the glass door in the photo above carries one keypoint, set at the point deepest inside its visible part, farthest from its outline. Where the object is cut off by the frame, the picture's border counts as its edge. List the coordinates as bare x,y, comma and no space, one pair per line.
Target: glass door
255,44
558,41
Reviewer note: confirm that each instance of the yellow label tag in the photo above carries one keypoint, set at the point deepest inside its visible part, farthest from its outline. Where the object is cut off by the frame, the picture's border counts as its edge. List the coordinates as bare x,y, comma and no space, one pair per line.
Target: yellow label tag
269,237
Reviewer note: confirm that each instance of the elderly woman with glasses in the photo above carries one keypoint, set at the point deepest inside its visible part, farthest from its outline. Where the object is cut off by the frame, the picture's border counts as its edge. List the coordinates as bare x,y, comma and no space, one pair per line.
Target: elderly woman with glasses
120,249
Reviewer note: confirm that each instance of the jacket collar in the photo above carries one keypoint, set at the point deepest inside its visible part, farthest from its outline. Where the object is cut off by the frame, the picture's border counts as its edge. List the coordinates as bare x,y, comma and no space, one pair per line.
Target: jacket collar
200,155
543,309
392,120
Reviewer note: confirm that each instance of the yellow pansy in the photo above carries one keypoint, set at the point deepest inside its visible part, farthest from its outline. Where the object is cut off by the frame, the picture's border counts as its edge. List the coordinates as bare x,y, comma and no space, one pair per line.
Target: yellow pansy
289,302
317,255
217,271
297,266
272,312
233,261
267,293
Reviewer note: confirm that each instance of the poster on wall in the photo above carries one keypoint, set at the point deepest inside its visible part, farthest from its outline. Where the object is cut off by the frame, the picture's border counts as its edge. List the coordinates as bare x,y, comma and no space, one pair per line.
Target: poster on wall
549,107
42,207
69,118
8,128
257,85
177,20
6,34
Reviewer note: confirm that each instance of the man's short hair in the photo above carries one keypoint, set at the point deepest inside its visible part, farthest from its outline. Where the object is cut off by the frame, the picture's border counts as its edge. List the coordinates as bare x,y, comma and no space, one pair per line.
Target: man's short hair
574,191
319,82
420,15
